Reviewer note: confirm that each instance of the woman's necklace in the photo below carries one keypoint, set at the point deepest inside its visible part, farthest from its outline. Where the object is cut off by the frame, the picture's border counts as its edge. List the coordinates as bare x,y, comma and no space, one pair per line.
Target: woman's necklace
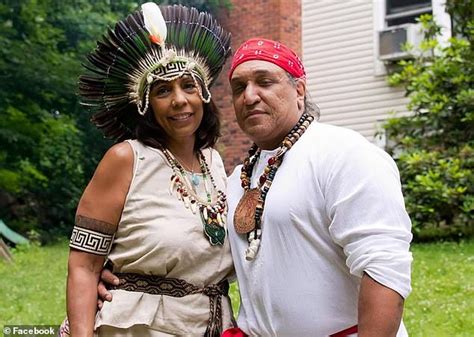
212,213
249,211
194,176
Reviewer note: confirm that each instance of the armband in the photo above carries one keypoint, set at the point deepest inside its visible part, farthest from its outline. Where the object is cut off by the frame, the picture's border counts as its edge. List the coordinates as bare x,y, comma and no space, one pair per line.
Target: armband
92,236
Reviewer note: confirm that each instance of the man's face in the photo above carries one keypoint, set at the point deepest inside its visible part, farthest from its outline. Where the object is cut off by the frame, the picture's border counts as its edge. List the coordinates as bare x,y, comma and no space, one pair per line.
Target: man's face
267,105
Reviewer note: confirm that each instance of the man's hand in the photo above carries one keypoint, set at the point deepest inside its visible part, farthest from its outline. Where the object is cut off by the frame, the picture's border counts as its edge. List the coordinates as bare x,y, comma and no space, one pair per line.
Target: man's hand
106,277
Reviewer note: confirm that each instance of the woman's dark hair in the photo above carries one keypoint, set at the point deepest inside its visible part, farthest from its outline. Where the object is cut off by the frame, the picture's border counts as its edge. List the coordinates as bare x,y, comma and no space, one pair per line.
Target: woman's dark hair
150,133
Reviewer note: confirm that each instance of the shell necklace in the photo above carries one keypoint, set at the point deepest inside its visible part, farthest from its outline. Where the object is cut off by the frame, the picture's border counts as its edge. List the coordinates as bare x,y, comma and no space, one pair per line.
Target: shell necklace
249,211
212,213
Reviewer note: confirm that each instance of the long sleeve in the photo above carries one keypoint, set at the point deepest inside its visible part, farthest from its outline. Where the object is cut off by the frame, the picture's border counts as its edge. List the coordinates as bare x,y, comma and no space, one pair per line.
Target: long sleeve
368,216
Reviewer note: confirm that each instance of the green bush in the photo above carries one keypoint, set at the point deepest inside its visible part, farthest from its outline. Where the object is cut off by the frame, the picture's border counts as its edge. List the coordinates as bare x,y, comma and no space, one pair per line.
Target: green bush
434,147
48,147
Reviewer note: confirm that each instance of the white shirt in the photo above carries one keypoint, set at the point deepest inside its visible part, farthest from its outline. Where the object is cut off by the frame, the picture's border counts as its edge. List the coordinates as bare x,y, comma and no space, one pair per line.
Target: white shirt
334,210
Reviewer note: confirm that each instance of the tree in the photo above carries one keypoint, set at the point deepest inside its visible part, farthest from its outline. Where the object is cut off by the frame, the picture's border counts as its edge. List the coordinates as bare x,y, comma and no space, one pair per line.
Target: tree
42,159
211,6
434,147
48,147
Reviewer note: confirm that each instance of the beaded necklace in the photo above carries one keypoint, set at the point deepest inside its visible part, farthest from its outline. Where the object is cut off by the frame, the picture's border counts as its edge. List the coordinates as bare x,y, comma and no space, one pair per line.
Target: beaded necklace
249,211
194,177
212,213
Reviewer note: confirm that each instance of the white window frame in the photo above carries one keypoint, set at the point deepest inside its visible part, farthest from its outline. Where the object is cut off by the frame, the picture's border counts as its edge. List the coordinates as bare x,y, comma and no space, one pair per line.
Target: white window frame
416,11
379,23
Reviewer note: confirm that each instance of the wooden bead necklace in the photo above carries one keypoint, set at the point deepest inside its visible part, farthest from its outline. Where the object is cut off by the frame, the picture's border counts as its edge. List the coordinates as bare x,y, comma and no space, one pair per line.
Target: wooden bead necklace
249,211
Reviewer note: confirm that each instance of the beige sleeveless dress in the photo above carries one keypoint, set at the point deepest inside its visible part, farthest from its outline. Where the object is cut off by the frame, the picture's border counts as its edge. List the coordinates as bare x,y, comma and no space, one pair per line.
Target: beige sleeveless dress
157,235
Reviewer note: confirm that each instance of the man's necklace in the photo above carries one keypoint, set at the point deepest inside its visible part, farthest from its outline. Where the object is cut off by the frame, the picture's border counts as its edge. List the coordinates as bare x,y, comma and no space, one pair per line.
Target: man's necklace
212,214
249,211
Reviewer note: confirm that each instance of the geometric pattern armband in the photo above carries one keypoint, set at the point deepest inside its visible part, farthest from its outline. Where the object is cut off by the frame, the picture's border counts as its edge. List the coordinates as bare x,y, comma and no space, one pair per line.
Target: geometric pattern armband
91,241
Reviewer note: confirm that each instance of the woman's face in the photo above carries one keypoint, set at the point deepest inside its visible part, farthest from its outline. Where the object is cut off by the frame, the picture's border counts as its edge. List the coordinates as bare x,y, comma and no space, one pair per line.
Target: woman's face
177,107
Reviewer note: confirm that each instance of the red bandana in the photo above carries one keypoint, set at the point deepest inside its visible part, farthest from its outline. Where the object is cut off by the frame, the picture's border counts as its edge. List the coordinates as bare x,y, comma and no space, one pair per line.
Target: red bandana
270,51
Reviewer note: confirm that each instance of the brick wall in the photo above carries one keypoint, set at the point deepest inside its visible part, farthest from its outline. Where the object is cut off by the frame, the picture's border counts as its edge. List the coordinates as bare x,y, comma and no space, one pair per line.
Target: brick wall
273,19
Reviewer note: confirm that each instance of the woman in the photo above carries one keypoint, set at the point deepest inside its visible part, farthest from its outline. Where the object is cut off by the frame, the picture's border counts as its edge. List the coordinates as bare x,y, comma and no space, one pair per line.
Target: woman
155,207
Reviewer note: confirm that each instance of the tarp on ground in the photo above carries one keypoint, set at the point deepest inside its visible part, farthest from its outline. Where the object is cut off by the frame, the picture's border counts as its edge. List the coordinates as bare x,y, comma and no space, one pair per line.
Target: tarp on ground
11,235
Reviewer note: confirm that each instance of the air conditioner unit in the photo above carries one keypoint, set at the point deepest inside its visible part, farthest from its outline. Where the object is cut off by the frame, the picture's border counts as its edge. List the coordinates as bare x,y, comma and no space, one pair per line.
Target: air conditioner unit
392,39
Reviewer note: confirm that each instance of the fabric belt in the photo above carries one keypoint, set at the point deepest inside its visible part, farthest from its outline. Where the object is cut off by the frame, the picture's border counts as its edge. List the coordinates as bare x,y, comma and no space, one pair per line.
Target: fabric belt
237,332
158,285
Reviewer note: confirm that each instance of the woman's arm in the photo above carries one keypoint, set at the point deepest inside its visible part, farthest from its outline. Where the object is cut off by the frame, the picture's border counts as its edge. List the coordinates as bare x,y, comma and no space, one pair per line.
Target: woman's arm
99,211
81,293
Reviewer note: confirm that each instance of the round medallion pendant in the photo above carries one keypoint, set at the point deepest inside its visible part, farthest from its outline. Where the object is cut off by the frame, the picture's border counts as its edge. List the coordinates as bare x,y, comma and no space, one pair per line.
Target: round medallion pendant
244,216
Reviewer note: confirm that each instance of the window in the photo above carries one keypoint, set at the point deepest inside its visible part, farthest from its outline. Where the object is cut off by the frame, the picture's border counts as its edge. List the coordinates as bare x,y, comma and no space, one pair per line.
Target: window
406,11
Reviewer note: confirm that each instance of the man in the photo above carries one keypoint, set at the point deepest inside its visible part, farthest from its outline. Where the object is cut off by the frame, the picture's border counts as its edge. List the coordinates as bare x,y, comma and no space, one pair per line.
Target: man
318,229
334,236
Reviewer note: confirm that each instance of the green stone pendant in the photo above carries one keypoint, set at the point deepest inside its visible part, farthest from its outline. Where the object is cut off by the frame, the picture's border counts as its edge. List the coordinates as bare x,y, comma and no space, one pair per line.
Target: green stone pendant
214,232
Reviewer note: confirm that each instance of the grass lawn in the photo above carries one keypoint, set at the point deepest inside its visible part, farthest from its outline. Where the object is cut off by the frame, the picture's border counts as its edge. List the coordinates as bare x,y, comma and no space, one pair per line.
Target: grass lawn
32,290
442,301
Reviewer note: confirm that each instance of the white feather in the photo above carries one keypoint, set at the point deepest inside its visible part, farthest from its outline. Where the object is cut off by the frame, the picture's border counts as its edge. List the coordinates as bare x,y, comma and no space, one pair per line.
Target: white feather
154,22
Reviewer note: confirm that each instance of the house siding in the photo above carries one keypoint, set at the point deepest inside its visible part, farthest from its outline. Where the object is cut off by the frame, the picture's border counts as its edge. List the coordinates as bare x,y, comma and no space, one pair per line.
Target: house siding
338,54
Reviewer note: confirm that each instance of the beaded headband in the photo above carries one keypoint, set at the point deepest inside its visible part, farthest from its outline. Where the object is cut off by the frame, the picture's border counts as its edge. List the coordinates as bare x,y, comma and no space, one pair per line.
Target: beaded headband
151,44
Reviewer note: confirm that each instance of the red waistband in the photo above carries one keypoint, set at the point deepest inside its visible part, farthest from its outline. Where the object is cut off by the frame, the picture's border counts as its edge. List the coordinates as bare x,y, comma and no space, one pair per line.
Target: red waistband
346,332
236,332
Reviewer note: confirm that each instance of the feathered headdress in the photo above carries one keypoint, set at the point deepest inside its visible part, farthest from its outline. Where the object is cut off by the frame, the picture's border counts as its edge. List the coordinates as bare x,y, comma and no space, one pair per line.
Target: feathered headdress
149,45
